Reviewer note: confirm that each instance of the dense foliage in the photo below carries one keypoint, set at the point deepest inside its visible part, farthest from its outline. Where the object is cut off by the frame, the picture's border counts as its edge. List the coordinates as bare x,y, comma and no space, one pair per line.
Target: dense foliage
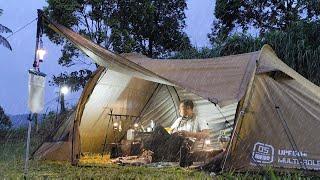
298,46
289,26
241,15
5,123
153,28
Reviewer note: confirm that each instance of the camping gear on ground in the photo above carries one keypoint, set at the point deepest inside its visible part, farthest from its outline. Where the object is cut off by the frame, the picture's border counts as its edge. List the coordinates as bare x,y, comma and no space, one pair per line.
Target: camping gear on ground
115,150
185,159
143,159
168,147
271,109
131,147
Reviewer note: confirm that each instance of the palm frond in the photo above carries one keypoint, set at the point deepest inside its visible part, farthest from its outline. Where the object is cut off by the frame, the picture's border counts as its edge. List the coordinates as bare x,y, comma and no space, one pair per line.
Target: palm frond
5,43
4,29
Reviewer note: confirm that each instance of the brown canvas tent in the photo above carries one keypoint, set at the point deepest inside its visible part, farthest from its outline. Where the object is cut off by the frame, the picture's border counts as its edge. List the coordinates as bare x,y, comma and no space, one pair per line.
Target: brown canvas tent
272,112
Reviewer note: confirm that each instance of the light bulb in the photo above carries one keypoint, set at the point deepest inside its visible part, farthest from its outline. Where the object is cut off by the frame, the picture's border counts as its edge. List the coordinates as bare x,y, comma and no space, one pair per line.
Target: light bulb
207,141
41,52
64,90
115,124
136,125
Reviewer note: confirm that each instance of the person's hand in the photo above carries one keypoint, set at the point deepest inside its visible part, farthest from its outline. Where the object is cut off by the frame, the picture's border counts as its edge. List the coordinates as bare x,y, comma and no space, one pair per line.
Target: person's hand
182,133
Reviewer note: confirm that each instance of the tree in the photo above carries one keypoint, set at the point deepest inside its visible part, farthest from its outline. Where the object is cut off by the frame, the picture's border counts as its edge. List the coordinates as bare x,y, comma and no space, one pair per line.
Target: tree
5,122
298,46
150,27
267,15
90,19
4,29
195,53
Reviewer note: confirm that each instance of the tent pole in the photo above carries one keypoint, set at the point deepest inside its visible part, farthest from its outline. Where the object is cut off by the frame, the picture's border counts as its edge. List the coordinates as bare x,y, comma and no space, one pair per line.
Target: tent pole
105,138
28,146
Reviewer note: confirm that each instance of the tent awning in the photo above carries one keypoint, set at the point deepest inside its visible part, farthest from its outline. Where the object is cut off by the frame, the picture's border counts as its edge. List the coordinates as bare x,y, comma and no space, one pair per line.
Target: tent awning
221,80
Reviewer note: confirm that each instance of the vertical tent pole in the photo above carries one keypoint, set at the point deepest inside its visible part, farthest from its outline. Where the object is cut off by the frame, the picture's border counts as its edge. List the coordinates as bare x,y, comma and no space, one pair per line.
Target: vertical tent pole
35,71
28,146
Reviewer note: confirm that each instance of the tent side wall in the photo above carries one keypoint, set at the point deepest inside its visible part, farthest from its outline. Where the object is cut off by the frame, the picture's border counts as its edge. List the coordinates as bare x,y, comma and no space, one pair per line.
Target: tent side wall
58,146
116,98
87,91
279,127
162,108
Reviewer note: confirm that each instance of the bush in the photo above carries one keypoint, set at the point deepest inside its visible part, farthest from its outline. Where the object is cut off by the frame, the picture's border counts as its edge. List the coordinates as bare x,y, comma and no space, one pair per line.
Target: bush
5,123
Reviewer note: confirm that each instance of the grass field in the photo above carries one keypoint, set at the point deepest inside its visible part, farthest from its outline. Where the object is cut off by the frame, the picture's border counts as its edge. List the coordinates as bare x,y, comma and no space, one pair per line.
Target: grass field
12,162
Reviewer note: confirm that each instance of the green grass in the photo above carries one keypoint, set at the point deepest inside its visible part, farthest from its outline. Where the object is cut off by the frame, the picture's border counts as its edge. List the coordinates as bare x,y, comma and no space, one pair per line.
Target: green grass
12,163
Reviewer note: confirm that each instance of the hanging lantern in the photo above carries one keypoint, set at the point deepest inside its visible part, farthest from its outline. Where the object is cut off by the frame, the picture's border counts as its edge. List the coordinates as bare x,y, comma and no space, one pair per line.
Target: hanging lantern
207,141
120,127
115,124
40,51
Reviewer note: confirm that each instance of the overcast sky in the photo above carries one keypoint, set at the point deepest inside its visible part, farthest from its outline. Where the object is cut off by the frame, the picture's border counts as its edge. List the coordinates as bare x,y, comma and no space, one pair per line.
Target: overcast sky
14,65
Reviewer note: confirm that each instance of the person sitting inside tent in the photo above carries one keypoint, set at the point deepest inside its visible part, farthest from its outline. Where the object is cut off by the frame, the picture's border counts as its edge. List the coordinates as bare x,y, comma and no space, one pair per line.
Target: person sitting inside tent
185,131
187,125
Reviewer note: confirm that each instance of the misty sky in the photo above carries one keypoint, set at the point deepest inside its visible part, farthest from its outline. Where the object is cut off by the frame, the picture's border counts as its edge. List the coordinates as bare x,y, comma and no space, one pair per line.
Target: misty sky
14,65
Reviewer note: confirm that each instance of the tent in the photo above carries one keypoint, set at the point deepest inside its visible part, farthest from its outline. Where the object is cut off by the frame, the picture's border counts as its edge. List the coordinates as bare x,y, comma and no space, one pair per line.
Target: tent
271,112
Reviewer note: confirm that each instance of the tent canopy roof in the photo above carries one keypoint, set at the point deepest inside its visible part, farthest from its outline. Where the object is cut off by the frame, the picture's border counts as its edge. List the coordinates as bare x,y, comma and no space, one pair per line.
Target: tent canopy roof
221,80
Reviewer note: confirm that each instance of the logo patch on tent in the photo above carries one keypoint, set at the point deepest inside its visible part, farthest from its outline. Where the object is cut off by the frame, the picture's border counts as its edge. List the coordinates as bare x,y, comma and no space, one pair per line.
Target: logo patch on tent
262,153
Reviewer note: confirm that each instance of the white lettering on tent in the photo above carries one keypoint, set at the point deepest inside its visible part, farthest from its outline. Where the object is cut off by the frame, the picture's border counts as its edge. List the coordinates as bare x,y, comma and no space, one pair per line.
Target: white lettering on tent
262,153
290,157
283,152
314,164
